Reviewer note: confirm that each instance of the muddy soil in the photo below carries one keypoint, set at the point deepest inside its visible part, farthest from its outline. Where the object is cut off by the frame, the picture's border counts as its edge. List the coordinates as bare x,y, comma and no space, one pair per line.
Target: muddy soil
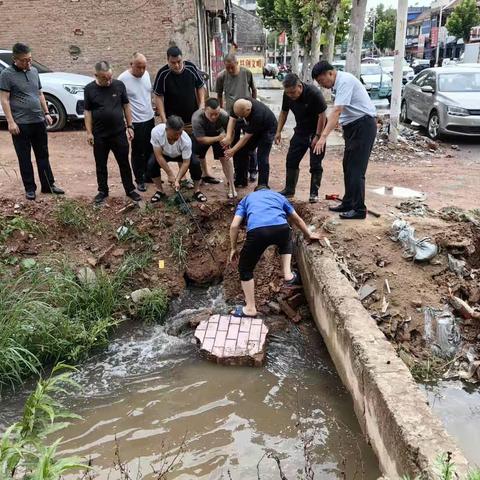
402,288
182,255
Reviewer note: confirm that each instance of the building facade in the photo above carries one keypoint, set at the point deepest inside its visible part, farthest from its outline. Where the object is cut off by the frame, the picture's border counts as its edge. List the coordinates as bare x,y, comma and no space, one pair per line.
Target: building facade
72,35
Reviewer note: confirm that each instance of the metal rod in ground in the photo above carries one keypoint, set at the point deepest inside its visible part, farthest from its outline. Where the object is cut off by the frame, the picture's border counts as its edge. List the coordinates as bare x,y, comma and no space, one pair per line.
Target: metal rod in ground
182,198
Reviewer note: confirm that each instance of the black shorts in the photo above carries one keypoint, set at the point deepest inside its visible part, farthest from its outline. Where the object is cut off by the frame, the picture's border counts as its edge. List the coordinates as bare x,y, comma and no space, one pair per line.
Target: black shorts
200,150
257,241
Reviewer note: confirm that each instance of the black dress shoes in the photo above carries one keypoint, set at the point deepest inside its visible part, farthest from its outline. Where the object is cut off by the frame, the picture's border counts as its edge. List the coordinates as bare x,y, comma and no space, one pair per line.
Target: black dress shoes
53,189
353,215
340,208
30,195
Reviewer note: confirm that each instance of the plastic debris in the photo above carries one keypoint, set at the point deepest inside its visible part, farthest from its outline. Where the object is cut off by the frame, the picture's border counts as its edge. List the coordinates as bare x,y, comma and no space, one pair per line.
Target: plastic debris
122,232
441,332
421,250
457,266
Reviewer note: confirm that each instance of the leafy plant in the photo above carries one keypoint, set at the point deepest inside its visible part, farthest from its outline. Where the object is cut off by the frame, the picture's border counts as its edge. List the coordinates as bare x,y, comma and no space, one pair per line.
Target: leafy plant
23,454
20,224
177,245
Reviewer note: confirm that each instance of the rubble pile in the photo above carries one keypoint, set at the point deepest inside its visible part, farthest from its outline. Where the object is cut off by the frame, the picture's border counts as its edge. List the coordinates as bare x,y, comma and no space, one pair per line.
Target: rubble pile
411,148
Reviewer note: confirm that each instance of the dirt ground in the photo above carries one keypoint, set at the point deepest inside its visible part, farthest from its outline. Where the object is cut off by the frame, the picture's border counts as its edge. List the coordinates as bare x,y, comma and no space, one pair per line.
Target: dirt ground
448,176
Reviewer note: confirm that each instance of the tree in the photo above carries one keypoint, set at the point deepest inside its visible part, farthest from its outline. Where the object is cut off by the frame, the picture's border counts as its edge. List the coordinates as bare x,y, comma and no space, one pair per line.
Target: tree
463,18
385,34
355,37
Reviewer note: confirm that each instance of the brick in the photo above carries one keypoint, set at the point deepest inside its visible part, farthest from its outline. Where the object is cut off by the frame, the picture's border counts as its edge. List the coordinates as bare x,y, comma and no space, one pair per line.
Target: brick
233,331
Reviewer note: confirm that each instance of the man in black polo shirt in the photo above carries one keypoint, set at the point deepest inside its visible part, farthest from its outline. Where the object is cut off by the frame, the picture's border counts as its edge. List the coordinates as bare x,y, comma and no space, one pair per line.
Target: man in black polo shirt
27,113
309,107
180,90
106,109
260,128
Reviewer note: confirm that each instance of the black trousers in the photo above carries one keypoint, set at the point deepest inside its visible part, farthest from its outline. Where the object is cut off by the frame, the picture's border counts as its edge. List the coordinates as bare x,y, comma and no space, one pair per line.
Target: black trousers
141,148
359,139
118,144
257,241
299,144
154,170
252,155
262,142
33,136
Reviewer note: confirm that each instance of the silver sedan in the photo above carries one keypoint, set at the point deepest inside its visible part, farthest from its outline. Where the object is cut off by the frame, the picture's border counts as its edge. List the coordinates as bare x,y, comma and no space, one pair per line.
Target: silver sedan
444,100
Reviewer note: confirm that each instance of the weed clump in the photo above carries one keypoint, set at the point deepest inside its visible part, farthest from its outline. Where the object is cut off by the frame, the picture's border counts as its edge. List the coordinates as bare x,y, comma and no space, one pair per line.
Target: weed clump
19,224
153,307
71,213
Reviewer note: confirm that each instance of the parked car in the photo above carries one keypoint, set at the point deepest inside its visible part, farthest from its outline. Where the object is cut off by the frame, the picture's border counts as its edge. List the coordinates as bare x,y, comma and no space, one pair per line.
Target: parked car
283,70
376,81
420,64
445,100
63,92
339,65
387,65
270,70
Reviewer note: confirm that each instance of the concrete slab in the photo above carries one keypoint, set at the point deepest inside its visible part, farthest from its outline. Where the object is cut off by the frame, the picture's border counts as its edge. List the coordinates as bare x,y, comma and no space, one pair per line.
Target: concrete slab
230,340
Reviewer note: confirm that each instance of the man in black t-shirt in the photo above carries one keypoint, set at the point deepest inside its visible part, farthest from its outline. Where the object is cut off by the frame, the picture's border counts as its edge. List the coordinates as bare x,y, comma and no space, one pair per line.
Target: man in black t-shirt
106,109
260,128
180,90
309,107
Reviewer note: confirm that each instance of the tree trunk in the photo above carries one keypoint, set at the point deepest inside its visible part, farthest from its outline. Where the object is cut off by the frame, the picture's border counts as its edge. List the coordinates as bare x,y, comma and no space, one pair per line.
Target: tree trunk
355,37
294,61
314,54
332,31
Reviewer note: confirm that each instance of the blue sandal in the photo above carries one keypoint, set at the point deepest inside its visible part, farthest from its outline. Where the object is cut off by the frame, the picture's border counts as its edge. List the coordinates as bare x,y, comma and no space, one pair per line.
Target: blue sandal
238,312
296,280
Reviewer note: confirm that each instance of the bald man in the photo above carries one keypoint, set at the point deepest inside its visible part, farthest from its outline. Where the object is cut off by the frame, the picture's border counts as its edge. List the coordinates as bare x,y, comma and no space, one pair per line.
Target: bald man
139,90
260,128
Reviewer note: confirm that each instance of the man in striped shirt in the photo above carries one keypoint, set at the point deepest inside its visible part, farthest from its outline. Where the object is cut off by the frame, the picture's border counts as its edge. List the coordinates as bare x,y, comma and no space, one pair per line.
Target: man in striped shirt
180,90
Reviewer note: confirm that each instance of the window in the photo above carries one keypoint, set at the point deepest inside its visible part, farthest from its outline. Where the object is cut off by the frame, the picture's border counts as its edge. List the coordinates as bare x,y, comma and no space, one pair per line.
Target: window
430,81
459,82
420,79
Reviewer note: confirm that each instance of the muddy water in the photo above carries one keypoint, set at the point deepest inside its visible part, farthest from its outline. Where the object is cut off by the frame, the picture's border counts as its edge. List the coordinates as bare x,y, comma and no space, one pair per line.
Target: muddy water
153,392
458,406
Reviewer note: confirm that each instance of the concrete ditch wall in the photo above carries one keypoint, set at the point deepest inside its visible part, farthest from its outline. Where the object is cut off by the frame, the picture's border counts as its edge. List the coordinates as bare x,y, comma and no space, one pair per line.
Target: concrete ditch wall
392,411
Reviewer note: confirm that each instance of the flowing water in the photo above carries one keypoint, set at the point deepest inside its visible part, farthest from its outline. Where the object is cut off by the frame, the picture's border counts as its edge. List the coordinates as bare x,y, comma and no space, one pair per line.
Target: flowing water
157,396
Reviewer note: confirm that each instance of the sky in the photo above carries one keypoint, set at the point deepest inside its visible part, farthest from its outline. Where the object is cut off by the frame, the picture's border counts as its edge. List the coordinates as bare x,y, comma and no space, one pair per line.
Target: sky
393,3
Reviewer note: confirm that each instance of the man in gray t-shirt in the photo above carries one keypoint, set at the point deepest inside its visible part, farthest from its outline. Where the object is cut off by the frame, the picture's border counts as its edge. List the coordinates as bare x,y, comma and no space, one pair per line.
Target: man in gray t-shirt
233,83
209,126
27,114
356,113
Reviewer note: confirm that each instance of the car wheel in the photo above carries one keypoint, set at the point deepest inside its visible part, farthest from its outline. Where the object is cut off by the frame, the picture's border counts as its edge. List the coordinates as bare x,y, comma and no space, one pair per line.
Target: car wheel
433,126
57,111
403,113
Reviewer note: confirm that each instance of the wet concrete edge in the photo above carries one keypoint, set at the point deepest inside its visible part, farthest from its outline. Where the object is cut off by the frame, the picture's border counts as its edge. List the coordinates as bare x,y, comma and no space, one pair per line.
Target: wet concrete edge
392,411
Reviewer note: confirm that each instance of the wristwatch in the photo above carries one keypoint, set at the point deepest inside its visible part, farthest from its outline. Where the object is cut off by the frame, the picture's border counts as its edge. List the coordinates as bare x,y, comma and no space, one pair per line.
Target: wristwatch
131,127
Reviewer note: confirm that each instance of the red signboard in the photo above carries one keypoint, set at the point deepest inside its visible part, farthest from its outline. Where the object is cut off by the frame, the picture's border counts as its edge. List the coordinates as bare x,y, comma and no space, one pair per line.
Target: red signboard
282,38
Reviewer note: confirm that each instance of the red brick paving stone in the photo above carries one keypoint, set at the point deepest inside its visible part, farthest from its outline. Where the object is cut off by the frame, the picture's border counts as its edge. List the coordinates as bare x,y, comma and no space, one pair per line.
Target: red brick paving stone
232,340
224,322
233,331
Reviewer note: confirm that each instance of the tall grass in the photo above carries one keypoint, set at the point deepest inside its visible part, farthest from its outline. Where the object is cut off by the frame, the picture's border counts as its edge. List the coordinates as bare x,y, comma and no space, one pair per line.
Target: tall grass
72,213
23,453
47,315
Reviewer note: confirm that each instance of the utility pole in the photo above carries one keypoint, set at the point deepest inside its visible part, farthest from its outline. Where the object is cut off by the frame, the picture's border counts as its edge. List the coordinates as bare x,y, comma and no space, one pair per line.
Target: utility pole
437,54
398,69
285,50
275,50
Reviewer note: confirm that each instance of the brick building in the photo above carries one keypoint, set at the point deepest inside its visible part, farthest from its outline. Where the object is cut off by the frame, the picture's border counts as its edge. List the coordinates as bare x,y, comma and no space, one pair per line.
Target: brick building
71,35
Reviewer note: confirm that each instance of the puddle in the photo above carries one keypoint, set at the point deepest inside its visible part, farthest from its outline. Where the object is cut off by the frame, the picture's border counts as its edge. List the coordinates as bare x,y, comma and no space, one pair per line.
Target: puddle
400,192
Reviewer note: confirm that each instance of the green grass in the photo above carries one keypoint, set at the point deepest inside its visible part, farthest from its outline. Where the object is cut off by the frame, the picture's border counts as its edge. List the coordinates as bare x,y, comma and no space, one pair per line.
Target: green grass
177,245
153,308
20,224
47,315
72,213
23,452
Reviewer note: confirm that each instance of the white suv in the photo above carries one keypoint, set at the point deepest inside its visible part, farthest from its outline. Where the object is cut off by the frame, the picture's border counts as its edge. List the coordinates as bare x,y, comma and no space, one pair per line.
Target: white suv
63,92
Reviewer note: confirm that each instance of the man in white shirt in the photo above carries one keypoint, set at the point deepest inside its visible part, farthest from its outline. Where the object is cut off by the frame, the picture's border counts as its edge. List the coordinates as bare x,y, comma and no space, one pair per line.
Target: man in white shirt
172,144
139,90
356,113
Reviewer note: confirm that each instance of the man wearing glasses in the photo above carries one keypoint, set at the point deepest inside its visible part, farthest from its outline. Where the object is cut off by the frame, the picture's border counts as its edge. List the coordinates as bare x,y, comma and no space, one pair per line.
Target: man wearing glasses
27,115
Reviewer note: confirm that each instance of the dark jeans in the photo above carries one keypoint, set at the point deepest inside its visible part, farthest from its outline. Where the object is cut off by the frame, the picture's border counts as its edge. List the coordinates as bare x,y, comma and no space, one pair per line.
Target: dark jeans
118,144
257,241
252,155
141,148
33,135
153,169
359,139
263,143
